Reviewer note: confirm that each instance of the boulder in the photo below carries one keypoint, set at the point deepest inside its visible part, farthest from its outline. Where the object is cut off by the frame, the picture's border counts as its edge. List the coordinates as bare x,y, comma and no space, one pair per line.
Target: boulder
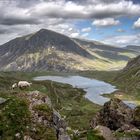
2,100
105,132
113,115
136,117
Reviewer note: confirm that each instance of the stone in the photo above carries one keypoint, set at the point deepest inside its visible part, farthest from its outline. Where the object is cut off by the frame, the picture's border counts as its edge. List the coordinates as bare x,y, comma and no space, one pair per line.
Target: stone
105,132
113,115
64,137
27,138
17,135
2,100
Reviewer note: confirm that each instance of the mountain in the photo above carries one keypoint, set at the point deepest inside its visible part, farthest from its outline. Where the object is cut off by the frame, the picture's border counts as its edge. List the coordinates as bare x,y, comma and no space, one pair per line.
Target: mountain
39,51
108,56
129,79
49,50
133,47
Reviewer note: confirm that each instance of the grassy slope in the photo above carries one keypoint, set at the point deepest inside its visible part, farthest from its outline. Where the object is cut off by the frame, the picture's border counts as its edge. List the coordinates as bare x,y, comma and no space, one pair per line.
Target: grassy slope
15,116
129,83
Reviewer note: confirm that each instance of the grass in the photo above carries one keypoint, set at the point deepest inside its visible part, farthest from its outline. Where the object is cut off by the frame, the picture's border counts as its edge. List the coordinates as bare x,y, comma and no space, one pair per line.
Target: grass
70,102
44,110
14,117
106,76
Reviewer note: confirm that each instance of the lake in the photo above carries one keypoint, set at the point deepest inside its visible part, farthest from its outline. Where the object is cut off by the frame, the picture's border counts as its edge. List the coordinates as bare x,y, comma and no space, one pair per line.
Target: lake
93,88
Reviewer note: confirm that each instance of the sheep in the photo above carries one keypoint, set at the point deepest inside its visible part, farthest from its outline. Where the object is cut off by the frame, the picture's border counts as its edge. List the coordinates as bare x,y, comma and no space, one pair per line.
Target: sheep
14,86
23,84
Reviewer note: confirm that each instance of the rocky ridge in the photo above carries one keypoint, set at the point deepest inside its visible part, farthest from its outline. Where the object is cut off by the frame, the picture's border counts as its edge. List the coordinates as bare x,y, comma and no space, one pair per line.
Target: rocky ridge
38,105
118,117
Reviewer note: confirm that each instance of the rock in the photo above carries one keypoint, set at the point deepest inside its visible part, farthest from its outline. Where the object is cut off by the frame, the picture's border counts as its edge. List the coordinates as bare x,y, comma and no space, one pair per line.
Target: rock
60,126
56,116
136,118
17,135
64,137
105,132
127,128
2,100
113,115
27,138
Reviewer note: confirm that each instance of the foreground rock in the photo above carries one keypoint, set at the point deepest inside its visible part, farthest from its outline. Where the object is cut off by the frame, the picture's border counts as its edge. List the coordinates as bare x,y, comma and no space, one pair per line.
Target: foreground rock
2,100
105,132
43,114
114,114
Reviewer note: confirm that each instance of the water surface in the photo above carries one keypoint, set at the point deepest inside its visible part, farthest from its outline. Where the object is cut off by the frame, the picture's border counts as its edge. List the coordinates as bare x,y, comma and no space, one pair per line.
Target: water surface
93,88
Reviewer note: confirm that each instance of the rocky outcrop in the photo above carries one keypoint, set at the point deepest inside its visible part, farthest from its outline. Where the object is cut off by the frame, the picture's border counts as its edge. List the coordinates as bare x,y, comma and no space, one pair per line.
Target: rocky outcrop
114,114
43,113
60,126
105,132
136,118
133,63
2,100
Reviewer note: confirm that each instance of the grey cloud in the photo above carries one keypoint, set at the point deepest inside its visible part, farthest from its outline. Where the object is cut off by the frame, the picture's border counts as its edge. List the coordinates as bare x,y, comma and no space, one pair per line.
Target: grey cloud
86,11
16,21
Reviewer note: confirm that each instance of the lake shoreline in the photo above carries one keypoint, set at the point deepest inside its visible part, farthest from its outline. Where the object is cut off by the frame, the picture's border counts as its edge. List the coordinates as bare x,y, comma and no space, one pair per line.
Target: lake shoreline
93,88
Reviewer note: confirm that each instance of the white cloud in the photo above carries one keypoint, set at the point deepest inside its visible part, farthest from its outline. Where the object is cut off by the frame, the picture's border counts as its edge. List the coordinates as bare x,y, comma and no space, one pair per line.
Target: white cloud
120,30
105,22
74,35
88,29
123,40
137,23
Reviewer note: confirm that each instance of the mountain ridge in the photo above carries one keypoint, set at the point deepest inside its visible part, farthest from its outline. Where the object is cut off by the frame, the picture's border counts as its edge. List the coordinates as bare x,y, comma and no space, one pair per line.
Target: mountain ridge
49,50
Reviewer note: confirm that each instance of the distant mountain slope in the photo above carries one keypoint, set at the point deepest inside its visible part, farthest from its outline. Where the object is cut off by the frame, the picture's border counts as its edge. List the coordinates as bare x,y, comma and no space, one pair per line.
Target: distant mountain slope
114,57
48,50
129,78
107,51
133,47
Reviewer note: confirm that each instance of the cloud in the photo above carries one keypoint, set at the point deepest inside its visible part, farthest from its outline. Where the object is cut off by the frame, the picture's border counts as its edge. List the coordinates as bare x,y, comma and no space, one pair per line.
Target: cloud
137,23
74,35
88,10
120,30
88,29
20,17
123,40
36,11
105,22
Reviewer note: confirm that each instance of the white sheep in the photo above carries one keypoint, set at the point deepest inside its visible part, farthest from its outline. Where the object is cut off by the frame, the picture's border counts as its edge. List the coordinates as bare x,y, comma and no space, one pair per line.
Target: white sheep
24,84
14,86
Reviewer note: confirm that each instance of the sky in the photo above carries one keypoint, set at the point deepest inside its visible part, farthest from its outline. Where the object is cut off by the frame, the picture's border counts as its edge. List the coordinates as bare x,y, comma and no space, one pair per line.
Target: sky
115,22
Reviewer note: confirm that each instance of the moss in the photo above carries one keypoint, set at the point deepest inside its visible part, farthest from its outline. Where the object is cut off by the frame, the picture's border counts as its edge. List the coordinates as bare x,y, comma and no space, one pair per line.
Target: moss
127,134
93,135
43,133
14,117
44,110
